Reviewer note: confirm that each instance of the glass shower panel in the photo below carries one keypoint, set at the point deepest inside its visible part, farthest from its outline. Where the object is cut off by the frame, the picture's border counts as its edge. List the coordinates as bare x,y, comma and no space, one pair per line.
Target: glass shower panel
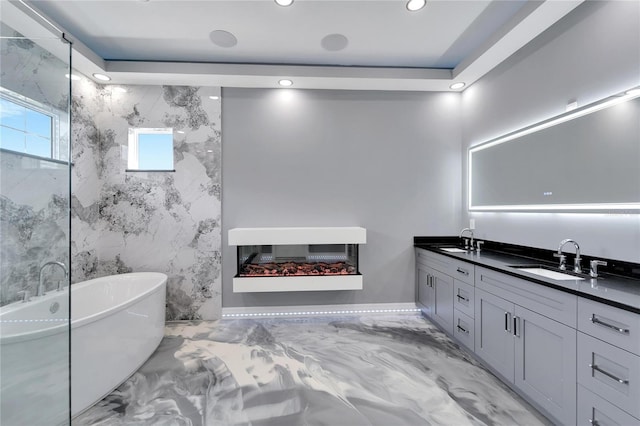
34,223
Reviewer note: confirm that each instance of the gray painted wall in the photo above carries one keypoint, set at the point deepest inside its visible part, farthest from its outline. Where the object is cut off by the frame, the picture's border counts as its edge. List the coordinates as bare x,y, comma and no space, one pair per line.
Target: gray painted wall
387,161
590,54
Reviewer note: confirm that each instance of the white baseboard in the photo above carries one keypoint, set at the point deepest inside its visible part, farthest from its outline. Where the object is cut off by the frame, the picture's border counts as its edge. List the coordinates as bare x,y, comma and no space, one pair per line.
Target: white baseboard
320,310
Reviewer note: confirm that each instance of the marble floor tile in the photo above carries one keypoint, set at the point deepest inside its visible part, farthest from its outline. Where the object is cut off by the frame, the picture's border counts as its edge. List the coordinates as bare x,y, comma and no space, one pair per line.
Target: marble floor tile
370,370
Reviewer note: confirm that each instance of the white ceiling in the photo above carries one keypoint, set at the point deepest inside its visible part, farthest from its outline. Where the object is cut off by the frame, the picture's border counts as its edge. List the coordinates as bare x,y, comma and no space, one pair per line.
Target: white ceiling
387,47
380,33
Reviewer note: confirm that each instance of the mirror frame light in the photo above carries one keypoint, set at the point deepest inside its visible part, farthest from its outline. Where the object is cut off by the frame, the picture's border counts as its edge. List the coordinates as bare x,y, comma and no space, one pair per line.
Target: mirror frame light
579,112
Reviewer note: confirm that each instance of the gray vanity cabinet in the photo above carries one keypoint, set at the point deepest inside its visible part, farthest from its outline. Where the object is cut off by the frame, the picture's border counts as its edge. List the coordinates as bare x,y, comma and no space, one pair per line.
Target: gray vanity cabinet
443,300
493,334
425,290
608,364
435,288
534,352
545,363
575,359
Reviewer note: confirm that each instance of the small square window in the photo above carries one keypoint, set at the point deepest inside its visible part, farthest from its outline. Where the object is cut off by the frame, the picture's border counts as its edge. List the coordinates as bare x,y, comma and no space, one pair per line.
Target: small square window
150,149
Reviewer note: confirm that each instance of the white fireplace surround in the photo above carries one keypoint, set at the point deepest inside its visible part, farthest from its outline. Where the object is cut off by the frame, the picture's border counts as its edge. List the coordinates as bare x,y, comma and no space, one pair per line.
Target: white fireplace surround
308,235
293,236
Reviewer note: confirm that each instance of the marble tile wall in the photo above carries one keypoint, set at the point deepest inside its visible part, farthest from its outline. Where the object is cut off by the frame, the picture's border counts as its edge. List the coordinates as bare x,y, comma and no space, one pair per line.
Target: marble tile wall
121,221
149,221
34,200
34,221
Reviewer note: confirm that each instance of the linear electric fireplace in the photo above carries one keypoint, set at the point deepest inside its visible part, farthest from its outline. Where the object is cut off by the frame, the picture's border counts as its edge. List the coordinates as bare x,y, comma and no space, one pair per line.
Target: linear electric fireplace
297,259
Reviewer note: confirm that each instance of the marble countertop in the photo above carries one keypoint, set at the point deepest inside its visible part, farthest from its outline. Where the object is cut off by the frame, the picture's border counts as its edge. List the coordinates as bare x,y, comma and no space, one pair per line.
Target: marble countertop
612,289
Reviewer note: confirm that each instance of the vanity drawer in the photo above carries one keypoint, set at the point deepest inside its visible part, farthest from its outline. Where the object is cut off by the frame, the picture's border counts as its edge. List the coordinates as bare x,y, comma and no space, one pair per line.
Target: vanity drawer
551,303
610,372
613,325
457,269
462,271
593,410
463,327
463,298
422,256
438,262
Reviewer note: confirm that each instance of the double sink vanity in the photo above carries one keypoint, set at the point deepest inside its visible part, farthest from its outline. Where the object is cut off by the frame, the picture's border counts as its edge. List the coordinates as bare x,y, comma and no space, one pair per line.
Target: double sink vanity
567,341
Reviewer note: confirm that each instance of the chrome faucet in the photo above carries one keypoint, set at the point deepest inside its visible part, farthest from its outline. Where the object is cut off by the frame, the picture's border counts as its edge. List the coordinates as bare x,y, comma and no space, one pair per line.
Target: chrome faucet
41,284
563,259
466,245
593,270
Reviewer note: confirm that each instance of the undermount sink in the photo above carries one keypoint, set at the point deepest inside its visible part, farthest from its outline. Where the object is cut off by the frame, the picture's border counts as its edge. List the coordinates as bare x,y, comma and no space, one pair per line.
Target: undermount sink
547,273
453,250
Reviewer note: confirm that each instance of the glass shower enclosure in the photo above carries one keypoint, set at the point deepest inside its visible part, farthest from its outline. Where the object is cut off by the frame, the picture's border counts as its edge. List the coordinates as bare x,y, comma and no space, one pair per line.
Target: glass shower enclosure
35,330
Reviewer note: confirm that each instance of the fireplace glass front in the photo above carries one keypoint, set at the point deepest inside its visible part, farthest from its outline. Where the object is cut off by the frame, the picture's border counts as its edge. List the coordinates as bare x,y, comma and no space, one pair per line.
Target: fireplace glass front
298,260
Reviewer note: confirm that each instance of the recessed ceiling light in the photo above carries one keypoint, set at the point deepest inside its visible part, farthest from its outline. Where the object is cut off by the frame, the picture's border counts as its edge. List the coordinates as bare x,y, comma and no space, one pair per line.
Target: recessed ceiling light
414,5
456,86
180,131
223,38
284,2
285,82
214,97
119,89
72,77
101,77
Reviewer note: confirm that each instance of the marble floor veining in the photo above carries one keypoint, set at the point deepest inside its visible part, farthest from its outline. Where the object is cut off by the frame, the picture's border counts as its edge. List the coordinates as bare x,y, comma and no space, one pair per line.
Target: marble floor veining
368,370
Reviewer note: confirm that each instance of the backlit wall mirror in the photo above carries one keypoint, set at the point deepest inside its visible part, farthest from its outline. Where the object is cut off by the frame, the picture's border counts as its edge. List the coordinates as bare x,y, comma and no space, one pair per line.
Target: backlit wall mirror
585,159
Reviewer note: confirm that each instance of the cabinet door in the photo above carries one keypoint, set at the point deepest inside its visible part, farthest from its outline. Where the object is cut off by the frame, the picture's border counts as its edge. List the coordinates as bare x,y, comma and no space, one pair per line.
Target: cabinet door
425,294
545,363
443,298
493,337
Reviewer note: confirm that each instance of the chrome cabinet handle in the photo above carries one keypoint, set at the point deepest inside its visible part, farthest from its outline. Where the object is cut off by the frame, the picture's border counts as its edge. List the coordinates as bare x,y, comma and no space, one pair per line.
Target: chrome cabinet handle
462,271
595,367
516,326
595,320
462,329
462,298
593,420
507,322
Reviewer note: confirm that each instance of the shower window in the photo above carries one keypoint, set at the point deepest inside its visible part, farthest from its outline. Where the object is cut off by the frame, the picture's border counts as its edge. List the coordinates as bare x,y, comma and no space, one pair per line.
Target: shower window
26,126
150,149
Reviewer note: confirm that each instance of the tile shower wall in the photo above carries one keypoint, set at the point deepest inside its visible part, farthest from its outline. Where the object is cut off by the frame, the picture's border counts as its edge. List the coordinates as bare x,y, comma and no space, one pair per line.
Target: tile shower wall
33,192
34,221
149,221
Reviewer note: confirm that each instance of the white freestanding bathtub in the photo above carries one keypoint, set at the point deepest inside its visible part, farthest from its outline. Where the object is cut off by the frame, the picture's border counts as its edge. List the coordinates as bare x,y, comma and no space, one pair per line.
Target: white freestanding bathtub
116,324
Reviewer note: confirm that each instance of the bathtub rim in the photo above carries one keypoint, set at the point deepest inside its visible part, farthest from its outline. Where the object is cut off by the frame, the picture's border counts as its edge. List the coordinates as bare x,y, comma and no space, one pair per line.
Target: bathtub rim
79,322
75,323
